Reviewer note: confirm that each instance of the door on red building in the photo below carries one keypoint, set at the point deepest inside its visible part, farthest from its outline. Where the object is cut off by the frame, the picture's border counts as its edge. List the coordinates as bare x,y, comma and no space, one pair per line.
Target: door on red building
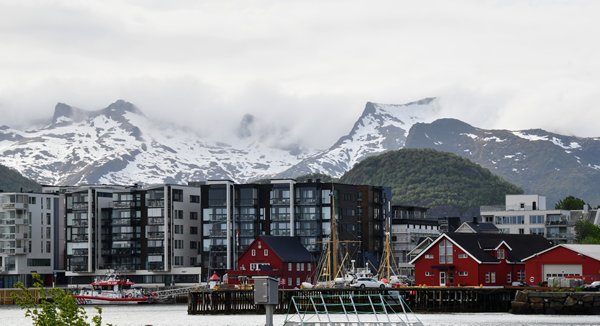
442,278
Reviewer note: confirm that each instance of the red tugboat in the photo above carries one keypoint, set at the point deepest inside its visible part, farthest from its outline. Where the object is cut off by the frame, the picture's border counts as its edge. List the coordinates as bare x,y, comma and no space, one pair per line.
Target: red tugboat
111,290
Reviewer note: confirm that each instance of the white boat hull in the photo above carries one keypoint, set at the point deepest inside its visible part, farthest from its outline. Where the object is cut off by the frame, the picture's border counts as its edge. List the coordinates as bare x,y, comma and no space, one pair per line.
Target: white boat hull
95,300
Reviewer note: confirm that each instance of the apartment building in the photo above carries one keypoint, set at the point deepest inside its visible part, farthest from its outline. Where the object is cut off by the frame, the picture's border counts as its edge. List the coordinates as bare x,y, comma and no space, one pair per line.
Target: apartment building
150,233
409,226
234,215
527,214
28,229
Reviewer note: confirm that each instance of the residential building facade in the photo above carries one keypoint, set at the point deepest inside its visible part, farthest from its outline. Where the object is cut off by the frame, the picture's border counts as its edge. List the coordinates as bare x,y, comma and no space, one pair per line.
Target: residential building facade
28,237
473,259
409,226
151,233
527,214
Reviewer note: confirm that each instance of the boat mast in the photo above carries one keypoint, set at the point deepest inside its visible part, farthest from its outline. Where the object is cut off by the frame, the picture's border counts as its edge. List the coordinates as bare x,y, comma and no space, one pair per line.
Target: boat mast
385,267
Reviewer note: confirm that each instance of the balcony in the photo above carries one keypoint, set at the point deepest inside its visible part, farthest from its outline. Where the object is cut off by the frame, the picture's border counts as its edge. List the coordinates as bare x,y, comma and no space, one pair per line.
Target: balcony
155,266
155,203
121,237
15,206
155,235
80,206
21,221
564,222
218,218
123,204
307,201
280,201
306,217
246,202
218,248
79,238
156,250
156,221
79,223
247,233
7,236
280,218
78,268
80,252
218,233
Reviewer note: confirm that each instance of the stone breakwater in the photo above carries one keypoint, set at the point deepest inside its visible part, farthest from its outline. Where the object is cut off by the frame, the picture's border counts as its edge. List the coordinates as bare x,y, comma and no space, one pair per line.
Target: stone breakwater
556,303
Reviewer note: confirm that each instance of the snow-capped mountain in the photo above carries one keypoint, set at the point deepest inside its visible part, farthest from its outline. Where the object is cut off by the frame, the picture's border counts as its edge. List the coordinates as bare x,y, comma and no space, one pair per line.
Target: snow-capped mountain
380,128
119,145
538,161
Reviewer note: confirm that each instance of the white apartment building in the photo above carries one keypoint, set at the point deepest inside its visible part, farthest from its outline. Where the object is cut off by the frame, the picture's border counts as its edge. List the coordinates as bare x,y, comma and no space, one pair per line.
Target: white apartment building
28,229
527,214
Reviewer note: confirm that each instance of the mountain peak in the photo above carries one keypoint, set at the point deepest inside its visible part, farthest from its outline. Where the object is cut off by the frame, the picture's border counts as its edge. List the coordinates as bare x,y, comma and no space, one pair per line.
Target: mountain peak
122,106
63,112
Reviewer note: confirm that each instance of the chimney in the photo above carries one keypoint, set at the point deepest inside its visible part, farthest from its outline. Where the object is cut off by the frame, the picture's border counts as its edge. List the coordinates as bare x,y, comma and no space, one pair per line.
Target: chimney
475,220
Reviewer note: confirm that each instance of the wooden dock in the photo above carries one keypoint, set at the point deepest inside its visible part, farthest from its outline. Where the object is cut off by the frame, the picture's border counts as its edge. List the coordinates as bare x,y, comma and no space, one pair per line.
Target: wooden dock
419,299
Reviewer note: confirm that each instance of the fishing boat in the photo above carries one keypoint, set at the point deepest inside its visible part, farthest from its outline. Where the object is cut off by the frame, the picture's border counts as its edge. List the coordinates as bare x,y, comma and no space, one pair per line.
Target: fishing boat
112,289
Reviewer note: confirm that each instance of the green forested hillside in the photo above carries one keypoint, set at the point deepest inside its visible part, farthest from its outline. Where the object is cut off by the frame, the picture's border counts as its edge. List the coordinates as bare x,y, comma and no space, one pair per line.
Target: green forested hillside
426,177
13,181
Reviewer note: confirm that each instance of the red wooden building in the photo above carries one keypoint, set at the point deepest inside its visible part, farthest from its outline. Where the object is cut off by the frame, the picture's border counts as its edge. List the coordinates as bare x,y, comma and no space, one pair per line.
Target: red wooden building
472,259
284,258
564,260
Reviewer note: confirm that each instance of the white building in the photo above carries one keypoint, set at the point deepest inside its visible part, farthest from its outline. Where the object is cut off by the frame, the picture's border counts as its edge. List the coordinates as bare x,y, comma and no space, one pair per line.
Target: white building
27,237
527,214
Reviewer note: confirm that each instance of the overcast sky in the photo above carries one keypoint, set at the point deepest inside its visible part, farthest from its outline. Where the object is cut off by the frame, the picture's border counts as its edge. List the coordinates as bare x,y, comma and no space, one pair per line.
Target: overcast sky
306,67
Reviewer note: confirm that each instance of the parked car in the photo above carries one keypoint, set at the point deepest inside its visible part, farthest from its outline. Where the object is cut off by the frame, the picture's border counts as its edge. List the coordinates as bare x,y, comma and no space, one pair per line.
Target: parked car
367,282
594,286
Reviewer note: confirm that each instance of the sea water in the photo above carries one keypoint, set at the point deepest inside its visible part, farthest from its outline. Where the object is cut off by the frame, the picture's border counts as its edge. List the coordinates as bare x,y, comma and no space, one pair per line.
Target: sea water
177,315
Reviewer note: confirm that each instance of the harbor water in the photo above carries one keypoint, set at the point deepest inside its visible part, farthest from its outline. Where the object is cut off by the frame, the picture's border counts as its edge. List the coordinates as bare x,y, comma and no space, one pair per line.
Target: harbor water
177,315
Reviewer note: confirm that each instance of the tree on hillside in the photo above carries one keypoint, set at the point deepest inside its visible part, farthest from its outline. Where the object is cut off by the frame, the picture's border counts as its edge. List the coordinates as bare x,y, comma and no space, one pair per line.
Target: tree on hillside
587,233
570,203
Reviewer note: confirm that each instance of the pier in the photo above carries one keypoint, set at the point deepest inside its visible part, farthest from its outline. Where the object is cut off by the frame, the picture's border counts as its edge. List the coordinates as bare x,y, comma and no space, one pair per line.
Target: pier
419,299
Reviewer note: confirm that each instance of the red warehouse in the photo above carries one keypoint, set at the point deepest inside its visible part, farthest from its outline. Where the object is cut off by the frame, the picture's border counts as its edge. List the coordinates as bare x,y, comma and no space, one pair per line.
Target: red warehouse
564,260
284,258
474,259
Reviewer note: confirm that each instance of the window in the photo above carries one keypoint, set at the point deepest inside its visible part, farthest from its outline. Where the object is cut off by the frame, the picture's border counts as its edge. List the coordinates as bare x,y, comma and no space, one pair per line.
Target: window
178,229
253,252
266,252
289,267
48,218
193,230
493,277
48,246
178,214
193,215
508,278
192,261
500,254
445,247
428,273
193,245
309,267
177,196
536,219
194,199
429,256
463,273
487,277
462,256
297,281
289,281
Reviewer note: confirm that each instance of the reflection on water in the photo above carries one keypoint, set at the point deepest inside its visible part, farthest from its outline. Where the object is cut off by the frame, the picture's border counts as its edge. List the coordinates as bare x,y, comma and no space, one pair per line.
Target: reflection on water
177,315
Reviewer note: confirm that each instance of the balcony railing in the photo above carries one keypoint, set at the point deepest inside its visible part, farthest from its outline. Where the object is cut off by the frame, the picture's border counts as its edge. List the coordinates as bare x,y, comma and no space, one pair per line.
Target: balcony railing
156,221
79,206
307,201
14,206
156,250
306,217
218,218
561,222
126,236
79,238
280,201
7,236
155,203
78,268
155,235
246,202
158,266
280,218
80,252
218,233
123,204
79,223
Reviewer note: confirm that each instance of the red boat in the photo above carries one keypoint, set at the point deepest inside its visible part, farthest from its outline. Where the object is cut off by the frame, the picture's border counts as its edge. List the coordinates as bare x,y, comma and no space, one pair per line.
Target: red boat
112,290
